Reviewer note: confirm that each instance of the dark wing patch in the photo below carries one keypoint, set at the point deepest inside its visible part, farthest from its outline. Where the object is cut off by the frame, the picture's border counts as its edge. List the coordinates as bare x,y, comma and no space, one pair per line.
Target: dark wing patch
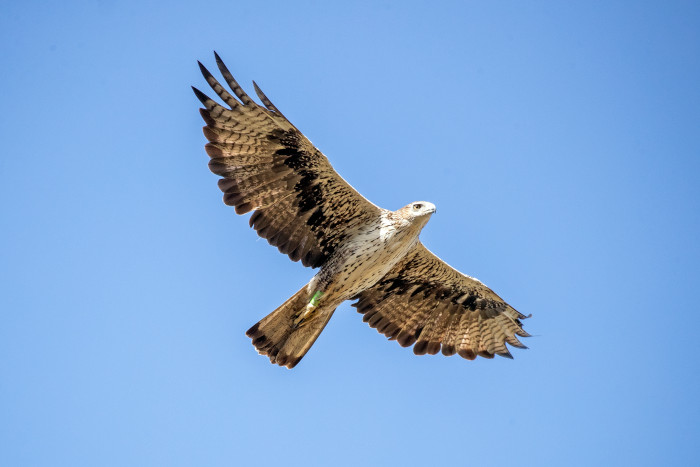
299,203
426,303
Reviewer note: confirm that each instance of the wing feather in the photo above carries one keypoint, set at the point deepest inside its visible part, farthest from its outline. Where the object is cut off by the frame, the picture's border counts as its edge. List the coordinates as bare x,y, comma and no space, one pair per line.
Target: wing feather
426,303
299,203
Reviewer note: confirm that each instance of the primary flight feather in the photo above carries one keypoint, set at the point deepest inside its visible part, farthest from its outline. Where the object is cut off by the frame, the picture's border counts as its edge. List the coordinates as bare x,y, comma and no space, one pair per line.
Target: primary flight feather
303,207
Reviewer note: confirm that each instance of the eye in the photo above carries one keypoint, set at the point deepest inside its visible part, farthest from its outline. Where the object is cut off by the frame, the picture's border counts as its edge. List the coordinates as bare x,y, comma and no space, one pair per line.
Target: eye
417,206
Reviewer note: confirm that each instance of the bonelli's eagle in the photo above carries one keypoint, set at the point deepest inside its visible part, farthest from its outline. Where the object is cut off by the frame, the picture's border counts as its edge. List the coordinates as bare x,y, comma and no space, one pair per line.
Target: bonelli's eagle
303,207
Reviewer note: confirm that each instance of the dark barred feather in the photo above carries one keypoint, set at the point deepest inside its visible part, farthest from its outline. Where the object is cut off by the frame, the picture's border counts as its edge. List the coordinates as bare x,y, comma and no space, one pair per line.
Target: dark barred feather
425,303
299,203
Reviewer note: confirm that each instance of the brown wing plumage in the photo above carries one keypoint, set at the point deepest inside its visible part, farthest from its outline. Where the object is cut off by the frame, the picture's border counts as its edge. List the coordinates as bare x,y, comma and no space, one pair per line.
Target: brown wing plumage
301,205
424,301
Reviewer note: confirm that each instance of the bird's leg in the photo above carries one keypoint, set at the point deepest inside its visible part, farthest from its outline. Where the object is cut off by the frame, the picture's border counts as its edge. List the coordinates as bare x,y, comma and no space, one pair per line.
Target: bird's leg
309,311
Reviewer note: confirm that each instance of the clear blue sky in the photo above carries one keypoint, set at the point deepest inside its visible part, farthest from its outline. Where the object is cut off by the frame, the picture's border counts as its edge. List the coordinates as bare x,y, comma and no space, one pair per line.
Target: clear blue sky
559,140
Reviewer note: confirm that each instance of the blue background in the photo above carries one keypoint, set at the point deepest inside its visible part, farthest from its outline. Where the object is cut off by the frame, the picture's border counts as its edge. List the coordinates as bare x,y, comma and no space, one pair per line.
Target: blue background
559,140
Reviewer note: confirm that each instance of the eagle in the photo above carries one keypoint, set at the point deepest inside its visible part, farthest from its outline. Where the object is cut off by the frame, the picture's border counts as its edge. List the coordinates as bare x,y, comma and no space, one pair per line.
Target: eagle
302,206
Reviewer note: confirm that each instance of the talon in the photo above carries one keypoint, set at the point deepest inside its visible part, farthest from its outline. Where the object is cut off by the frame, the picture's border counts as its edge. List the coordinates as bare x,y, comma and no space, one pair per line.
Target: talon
304,316
309,311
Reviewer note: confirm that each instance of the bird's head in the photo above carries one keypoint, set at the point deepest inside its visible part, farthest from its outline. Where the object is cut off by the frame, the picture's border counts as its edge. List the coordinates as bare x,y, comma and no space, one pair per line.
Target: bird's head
418,209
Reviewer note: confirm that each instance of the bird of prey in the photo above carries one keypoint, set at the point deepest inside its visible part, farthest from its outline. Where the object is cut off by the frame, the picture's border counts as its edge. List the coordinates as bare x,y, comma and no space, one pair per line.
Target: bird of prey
303,207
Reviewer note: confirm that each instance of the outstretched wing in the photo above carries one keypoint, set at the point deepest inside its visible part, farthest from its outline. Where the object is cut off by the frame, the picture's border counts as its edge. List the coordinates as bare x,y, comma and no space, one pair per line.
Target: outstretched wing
301,205
424,301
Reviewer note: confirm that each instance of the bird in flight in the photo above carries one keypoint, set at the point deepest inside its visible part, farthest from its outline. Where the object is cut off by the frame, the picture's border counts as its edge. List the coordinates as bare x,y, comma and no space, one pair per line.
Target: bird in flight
302,206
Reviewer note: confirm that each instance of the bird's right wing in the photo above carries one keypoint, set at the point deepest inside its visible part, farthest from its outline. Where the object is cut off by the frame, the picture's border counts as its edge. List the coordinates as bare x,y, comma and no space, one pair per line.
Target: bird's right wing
301,205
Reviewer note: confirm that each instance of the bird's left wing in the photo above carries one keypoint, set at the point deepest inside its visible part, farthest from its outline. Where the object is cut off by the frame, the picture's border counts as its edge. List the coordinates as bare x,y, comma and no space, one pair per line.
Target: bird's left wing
301,205
424,301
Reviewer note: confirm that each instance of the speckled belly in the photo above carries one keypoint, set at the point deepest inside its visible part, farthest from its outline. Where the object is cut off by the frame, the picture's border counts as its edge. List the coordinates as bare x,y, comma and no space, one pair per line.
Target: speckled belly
362,262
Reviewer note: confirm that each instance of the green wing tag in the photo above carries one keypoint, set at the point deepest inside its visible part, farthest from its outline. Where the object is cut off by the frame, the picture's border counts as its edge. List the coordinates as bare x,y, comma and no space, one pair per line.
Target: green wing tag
316,298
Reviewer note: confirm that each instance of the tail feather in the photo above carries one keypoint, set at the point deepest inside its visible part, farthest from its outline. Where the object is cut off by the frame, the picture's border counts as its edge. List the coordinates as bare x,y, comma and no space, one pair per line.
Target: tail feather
276,336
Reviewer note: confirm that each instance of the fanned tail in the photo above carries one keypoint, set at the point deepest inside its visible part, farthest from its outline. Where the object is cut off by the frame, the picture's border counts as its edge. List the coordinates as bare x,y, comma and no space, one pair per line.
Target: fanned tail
276,336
